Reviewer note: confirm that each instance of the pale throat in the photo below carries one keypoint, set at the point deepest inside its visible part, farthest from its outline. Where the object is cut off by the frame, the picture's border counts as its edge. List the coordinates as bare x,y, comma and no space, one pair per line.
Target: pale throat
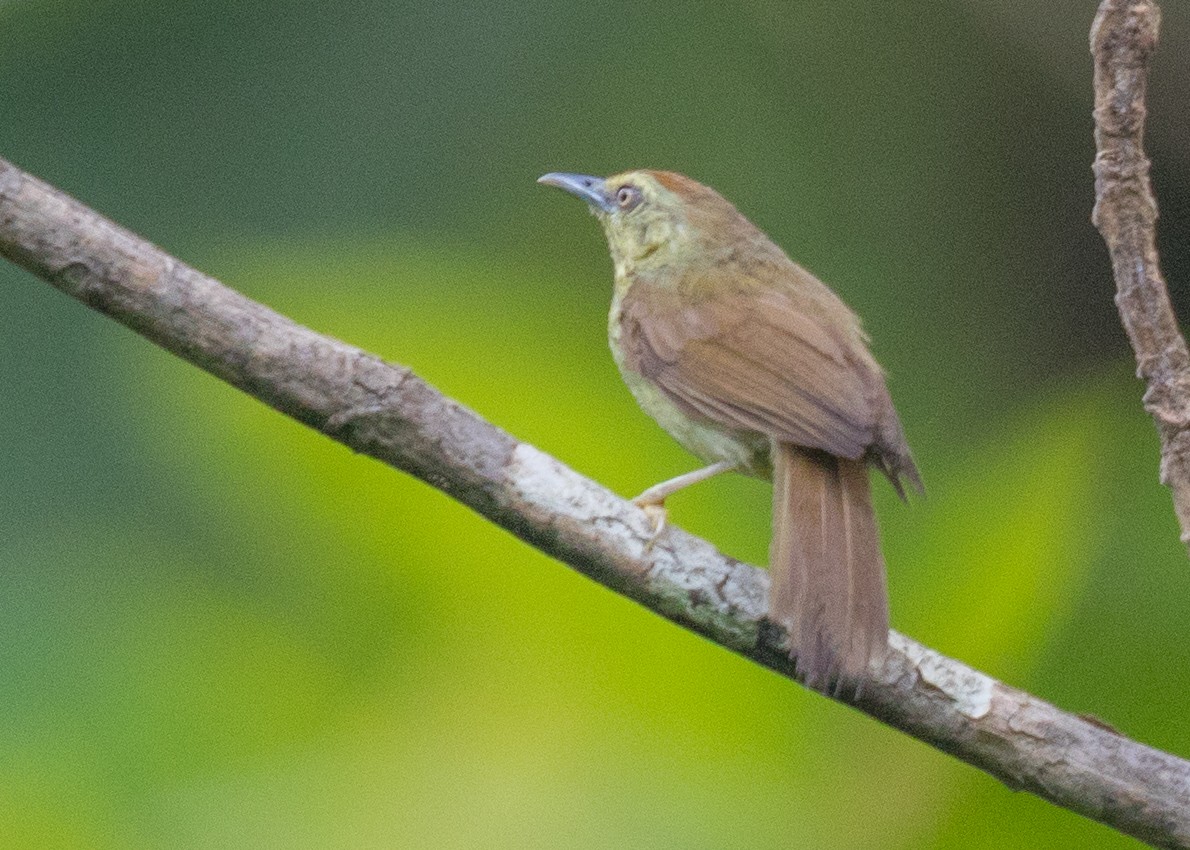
643,249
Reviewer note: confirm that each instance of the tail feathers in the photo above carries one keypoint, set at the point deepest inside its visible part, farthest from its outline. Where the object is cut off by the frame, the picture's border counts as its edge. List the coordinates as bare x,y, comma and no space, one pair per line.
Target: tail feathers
828,582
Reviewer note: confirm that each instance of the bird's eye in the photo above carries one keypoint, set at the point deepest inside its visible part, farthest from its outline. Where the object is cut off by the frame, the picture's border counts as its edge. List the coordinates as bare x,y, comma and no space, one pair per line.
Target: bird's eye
627,197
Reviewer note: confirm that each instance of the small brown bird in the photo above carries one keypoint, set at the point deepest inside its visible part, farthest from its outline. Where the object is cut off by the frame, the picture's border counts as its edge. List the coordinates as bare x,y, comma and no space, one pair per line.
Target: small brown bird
754,365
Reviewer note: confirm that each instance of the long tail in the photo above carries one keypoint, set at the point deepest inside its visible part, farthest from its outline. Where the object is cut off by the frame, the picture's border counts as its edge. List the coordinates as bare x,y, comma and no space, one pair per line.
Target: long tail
828,584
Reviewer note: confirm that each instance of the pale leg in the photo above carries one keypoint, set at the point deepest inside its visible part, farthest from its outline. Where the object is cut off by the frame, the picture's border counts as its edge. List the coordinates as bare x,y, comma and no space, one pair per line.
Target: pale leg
652,501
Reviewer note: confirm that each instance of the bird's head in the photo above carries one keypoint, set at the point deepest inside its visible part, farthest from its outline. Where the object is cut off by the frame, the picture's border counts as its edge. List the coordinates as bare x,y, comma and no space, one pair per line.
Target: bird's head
654,219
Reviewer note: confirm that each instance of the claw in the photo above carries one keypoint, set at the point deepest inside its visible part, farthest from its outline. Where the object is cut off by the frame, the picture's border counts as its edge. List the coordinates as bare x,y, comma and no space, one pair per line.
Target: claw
657,515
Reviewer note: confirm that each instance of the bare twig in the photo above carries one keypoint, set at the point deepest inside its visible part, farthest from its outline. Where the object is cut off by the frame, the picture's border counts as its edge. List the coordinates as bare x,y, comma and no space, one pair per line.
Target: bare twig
389,413
1123,38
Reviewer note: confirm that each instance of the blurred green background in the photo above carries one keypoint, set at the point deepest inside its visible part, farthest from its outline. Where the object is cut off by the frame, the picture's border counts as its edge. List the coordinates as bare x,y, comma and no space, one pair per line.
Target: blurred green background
219,629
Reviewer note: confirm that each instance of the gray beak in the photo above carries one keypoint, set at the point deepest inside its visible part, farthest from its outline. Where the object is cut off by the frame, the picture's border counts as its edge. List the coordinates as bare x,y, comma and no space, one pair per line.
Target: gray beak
593,190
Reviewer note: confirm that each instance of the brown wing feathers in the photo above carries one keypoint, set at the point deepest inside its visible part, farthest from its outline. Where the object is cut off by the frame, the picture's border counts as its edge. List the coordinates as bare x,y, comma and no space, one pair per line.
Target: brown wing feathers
771,368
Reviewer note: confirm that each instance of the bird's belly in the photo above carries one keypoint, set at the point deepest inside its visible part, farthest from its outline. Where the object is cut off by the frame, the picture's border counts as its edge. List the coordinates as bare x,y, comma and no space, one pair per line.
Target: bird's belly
746,451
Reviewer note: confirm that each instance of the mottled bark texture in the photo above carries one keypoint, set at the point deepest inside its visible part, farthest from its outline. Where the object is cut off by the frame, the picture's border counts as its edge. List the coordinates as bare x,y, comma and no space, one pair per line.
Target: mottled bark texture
386,411
1123,38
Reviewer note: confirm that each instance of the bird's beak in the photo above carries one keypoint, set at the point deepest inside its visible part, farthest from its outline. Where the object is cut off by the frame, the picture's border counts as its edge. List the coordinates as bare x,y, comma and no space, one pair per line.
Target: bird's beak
593,190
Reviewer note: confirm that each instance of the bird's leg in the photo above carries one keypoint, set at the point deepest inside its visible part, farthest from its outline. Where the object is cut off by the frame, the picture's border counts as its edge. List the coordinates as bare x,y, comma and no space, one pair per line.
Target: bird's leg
652,501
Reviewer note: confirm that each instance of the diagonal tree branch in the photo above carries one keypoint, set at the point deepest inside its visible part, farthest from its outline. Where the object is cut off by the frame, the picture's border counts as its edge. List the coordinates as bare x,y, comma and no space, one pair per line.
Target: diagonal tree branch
389,413
1123,37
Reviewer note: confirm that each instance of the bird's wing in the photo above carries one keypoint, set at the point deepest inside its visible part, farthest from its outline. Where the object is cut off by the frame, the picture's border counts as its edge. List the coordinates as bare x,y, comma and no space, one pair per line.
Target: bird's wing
771,361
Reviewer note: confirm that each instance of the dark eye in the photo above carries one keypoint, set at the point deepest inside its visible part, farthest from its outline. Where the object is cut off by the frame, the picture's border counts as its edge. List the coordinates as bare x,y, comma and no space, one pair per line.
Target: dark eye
627,197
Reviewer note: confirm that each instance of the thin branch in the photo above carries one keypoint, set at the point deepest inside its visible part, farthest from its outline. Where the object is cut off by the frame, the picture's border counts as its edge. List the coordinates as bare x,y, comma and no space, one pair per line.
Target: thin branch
1123,37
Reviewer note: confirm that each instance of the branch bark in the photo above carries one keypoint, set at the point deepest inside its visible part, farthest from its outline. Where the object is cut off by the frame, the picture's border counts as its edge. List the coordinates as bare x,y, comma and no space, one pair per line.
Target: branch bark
1123,37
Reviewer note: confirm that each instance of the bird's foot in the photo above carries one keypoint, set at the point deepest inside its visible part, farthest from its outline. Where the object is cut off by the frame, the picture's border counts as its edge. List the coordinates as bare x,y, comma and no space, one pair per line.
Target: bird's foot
655,511
652,501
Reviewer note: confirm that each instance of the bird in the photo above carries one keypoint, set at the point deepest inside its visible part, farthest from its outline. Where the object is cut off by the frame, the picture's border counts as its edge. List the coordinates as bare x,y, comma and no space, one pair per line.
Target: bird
757,367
